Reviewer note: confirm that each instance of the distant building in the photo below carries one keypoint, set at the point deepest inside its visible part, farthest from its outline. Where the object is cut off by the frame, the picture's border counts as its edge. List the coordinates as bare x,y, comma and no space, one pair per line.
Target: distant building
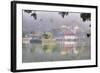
67,40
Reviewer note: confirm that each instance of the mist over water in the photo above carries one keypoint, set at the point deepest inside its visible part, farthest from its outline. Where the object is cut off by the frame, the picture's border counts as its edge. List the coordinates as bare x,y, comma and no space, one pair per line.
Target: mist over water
55,27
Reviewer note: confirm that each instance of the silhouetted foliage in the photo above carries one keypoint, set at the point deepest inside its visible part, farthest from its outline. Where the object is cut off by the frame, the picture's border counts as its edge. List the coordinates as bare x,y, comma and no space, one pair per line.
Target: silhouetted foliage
88,34
90,25
28,11
85,16
34,15
63,14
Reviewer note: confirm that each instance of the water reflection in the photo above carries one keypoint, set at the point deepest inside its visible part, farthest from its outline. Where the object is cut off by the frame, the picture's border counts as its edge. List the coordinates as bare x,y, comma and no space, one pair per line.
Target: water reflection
40,52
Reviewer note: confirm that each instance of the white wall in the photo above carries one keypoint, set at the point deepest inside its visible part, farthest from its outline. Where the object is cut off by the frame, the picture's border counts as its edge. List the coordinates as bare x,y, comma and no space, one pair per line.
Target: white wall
5,36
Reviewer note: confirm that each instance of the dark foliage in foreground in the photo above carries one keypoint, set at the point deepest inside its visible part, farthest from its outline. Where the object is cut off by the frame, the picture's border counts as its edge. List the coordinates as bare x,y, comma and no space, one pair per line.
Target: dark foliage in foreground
63,14
85,16
88,34
34,15
28,11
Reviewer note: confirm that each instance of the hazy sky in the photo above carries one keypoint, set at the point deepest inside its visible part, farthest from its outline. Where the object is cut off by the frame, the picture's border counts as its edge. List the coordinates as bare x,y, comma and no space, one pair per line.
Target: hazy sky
47,21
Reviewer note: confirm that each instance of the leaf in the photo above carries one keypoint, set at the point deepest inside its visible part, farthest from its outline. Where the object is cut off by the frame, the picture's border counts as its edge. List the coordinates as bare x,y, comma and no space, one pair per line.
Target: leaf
63,14
28,11
88,34
34,15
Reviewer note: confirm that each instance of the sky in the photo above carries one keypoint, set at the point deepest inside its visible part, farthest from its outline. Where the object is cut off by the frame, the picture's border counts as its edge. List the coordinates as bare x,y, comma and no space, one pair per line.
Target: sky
47,20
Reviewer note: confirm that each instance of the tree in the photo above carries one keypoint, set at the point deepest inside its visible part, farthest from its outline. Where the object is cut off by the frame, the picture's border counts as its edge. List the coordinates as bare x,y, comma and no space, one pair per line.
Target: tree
63,14
85,16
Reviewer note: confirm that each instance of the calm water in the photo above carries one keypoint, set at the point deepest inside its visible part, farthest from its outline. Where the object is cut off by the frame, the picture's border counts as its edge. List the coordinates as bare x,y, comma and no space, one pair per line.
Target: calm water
34,52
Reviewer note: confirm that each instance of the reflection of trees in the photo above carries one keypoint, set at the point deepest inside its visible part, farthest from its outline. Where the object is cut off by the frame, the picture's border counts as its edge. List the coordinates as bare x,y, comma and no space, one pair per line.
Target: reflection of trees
48,43
85,16
45,47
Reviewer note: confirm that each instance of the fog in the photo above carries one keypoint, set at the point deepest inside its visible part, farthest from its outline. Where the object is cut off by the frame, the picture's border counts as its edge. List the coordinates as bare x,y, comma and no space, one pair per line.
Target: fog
47,21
